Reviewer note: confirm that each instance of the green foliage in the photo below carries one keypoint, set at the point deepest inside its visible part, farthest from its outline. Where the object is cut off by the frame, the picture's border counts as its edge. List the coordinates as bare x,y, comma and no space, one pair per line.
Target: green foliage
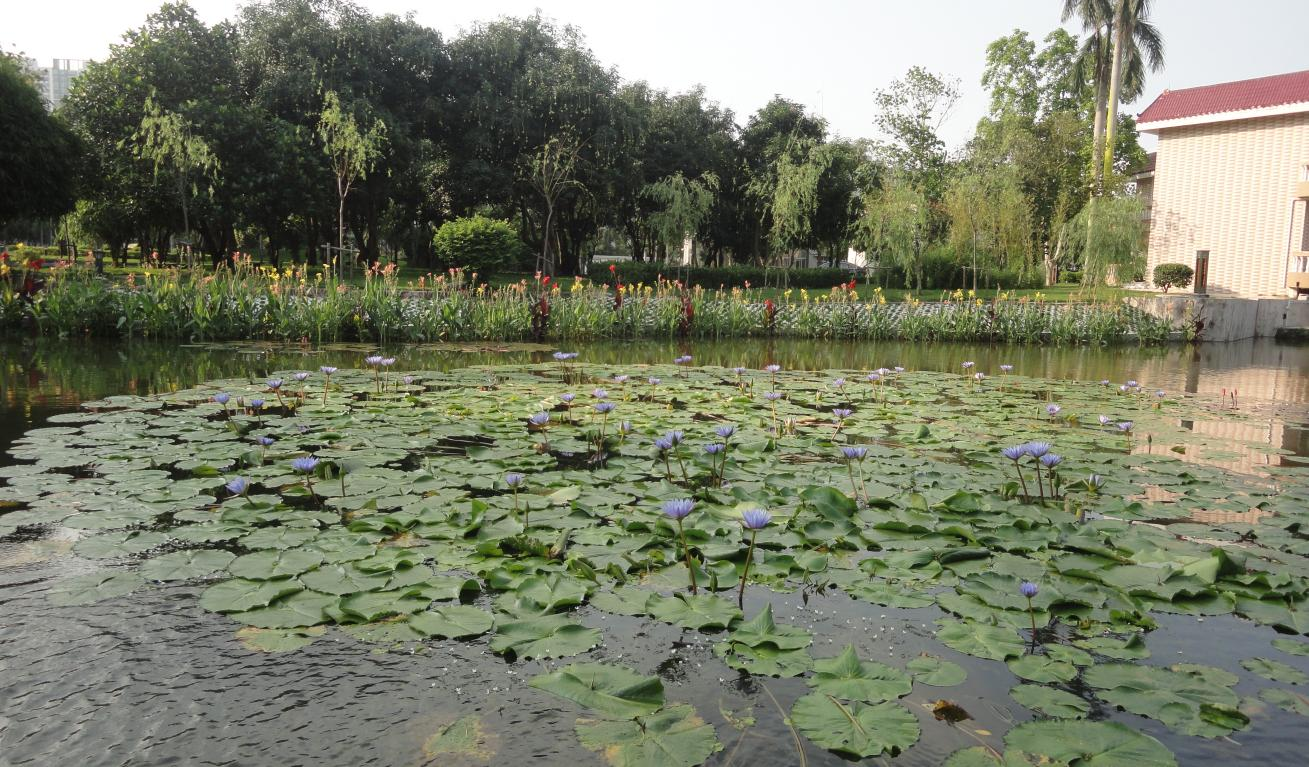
478,244
38,153
1173,276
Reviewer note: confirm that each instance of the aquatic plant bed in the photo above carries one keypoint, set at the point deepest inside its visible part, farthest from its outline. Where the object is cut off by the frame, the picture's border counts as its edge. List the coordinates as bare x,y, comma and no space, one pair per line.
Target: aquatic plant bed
552,515
247,303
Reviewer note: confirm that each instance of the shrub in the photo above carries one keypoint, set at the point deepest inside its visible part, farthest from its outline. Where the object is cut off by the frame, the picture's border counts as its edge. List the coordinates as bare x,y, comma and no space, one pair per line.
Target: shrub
712,277
478,244
1173,276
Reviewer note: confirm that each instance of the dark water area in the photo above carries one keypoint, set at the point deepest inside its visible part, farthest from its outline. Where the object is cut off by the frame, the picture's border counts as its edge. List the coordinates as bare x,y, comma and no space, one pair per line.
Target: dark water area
154,679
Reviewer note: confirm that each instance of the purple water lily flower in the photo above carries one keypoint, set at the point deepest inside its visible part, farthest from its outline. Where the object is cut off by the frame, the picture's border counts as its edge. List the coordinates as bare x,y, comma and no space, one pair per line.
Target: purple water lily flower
968,365
305,465
600,394
839,383
1052,409
678,508
388,362
604,408
1125,426
1104,420
899,369
620,379
854,452
238,486
675,436
408,380
654,381
1161,394
565,356
1095,482
842,413
514,479
772,368
327,370
1007,368
300,376
1037,449
265,441
979,377
625,427
772,396
1051,460
567,398
1028,589
222,398
714,448
1014,452
539,419
256,403
664,444
755,519
725,431
874,377
739,371
373,360
274,383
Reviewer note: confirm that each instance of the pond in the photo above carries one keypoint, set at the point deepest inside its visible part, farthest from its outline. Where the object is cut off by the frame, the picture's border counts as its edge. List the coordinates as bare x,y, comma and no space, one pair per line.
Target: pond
417,610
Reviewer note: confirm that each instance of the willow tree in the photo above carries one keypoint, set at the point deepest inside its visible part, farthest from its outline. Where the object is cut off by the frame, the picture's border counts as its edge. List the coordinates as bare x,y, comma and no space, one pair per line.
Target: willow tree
167,140
991,218
353,153
1113,250
895,223
685,204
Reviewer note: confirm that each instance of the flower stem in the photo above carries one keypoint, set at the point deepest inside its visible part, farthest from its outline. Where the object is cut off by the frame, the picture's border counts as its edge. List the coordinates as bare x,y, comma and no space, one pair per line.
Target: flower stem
687,551
745,572
1027,498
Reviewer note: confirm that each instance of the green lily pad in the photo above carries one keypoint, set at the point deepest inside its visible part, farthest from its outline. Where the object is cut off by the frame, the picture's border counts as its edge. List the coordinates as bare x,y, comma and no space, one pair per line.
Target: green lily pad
672,737
855,729
546,636
702,612
185,565
452,622
981,640
847,677
93,587
1050,702
931,670
1274,671
1089,744
611,691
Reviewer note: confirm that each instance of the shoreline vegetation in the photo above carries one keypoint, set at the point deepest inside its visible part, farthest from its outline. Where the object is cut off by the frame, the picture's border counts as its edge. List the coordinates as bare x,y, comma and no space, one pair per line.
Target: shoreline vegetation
296,303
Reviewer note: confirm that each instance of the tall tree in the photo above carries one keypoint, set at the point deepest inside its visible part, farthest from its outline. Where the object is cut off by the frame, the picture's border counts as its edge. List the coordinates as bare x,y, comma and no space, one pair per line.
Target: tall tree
894,226
1133,34
167,140
551,173
911,112
685,206
38,153
353,152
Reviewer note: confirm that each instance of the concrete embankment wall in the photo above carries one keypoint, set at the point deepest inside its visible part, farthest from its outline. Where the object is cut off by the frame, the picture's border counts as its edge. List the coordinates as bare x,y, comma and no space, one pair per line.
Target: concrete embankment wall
1230,319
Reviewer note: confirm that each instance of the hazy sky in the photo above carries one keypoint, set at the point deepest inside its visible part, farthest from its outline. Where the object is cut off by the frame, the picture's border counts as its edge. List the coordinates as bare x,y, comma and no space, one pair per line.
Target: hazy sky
829,55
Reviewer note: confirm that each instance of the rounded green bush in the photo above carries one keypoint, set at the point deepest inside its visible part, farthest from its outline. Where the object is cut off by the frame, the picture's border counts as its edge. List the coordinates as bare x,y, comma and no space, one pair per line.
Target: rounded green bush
1173,276
478,243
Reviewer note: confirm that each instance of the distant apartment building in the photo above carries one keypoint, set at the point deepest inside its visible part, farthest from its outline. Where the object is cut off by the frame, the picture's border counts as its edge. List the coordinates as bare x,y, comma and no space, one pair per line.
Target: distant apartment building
54,81
1227,189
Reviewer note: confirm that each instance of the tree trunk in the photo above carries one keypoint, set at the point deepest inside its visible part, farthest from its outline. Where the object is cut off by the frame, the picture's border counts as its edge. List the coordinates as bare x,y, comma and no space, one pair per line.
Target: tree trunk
1115,90
1097,144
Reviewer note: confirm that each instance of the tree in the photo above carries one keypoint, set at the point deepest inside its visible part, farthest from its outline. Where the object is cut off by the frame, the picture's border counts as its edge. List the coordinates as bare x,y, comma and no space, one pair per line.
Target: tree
1173,275
911,112
991,218
166,139
685,205
478,243
777,138
352,152
895,224
38,153
1112,248
551,174
1131,30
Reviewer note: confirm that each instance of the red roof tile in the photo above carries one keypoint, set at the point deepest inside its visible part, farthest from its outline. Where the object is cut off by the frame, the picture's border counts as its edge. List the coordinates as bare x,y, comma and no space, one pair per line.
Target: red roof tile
1261,92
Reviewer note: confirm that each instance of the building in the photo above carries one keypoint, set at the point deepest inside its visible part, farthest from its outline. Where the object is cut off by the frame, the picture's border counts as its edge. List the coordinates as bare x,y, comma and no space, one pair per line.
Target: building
54,81
1228,186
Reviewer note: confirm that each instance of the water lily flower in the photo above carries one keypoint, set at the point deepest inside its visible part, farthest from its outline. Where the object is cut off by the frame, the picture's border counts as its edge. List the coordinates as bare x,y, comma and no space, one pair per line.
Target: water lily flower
604,408
565,356
1160,394
968,365
388,362
899,369
772,396
654,381
1007,368
222,398
256,403
842,413
838,383
409,380
1028,589
305,464
374,360
664,444
1104,381
772,368
714,448
1037,449
274,383
327,370
566,398
854,452
725,431
514,479
1104,420
1125,426
1094,483
539,419
238,485
625,427
620,379
739,371
1124,388
300,376
1132,384
600,394
683,360
679,508
1014,452
979,377
265,441
874,377
675,436
755,519
1052,409
1051,460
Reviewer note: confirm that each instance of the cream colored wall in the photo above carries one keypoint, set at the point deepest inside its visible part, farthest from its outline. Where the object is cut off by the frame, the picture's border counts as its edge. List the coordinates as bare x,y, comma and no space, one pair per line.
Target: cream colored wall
1228,188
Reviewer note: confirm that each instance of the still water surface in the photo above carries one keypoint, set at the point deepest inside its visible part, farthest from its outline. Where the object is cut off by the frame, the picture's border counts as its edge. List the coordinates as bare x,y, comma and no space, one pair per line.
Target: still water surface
152,679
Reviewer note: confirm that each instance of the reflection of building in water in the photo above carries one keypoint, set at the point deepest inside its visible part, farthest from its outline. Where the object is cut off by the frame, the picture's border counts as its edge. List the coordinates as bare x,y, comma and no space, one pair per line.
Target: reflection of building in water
1235,437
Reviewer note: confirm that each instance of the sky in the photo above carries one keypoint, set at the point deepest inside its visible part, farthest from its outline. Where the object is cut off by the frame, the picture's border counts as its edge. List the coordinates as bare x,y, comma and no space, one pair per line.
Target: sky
829,55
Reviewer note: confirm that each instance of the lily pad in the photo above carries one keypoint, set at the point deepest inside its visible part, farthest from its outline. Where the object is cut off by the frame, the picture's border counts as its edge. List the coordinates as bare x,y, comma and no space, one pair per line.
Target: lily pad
856,729
672,737
848,677
546,636
607,690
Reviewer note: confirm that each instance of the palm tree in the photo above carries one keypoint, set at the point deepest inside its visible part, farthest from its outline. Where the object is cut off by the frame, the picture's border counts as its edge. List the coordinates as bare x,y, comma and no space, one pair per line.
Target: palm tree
1093,65
1096,64
1133,35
